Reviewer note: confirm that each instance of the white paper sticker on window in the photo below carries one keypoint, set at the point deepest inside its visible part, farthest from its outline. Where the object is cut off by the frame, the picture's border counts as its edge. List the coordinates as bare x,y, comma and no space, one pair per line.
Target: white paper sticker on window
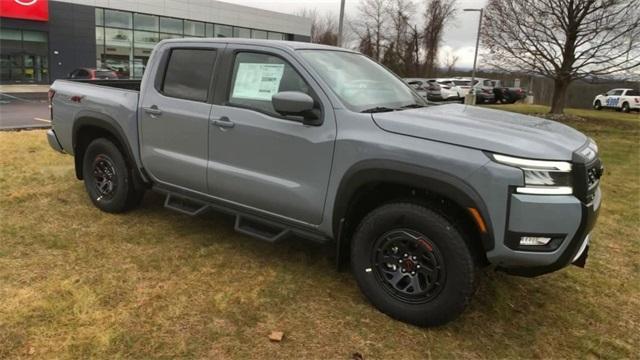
257,81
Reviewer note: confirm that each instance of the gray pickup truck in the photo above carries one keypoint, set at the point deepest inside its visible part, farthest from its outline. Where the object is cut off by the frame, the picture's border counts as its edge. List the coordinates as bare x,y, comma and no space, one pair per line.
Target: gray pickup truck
326,144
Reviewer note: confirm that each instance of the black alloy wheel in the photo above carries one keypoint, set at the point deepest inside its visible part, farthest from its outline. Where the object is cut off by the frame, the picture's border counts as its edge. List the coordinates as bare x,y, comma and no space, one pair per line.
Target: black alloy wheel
409,266
105,177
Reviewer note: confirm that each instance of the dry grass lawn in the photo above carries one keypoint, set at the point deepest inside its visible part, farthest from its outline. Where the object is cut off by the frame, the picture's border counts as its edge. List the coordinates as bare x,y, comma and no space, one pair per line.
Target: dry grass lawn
79,283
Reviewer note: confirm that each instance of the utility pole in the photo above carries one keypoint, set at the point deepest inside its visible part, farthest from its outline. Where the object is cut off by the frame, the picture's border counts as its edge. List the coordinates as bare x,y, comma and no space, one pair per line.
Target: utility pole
472,99
341,23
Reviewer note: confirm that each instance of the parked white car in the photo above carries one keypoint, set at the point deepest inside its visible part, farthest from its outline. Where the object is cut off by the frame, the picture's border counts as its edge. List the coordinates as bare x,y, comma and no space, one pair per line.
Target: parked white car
619,99
449,89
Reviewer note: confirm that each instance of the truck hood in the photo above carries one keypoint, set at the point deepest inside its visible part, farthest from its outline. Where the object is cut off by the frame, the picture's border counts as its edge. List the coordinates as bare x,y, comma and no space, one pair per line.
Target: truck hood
486,129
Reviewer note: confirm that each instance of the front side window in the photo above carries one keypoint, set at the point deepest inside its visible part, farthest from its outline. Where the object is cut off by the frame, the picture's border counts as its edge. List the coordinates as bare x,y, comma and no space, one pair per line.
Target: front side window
361,83
188,74
257,77
614,93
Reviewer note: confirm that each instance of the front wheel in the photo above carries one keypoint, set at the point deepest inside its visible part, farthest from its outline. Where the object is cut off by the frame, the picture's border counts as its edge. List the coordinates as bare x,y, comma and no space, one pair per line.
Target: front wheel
413,264
108,178
597,105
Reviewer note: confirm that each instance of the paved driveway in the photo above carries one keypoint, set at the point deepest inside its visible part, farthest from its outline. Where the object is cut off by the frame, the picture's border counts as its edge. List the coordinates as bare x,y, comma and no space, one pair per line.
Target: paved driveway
23,111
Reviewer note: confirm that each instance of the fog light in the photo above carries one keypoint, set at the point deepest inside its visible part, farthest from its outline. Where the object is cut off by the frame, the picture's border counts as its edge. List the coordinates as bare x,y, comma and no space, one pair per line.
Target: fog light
534,241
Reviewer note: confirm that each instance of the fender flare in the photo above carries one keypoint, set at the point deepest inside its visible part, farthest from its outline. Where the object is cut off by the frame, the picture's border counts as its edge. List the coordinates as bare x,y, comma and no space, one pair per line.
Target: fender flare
435,181
108,124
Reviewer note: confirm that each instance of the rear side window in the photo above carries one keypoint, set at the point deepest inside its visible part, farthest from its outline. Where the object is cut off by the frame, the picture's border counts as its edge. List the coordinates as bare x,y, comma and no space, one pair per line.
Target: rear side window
633,93
257,77
188,74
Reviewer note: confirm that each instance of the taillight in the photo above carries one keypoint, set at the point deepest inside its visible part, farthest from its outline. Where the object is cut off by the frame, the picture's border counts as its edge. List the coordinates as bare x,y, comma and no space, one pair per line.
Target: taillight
50,95
636,100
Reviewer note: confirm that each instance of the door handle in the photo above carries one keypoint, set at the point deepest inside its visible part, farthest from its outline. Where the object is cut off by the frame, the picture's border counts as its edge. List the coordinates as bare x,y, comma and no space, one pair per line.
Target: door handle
223,122
153,110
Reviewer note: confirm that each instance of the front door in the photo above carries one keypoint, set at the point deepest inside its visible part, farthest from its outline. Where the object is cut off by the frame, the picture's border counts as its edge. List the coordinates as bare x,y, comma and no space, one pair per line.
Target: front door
263,160
174,117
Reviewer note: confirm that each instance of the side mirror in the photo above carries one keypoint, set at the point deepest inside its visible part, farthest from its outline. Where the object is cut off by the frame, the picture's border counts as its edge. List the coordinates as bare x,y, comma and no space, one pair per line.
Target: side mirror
295,103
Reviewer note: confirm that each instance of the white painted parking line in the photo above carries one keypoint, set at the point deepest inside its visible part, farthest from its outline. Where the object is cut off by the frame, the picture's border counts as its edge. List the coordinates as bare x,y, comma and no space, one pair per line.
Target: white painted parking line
40,119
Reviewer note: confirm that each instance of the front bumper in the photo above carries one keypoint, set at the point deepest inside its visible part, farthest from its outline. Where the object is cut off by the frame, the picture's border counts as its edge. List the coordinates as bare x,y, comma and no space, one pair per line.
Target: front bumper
564,217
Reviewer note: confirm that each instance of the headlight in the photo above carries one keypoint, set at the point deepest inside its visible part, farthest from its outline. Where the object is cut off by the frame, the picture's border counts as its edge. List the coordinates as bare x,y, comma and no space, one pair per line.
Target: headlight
540,176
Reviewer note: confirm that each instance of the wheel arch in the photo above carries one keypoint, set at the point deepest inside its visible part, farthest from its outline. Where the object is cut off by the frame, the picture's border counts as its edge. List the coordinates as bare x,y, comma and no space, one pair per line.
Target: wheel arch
368,175
89,126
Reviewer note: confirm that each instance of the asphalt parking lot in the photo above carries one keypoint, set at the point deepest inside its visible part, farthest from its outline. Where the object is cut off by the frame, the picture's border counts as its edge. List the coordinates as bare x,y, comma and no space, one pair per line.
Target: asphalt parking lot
23,111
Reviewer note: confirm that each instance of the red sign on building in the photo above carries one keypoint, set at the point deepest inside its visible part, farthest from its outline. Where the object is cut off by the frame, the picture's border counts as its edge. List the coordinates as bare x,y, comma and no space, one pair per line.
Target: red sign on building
25,9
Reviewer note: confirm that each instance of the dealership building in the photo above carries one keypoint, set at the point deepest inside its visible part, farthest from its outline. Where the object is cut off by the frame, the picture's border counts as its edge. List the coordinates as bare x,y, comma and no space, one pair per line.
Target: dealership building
41,41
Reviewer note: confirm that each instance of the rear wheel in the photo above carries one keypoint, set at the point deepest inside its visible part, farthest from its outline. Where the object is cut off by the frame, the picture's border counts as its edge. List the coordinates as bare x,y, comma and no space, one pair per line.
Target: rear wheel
108,178
413,264
625,107
597,105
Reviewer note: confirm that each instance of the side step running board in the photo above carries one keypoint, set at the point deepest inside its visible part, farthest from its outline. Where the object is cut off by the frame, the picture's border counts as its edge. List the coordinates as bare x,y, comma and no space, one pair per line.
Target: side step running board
254,226
261,229
185,205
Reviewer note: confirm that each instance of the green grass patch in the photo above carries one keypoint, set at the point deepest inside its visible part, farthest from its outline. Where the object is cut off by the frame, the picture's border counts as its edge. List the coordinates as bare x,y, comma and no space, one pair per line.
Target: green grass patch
79,283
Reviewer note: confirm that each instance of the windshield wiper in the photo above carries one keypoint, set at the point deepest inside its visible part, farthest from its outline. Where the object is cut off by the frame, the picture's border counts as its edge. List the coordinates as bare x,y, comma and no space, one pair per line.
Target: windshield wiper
378,109
412,106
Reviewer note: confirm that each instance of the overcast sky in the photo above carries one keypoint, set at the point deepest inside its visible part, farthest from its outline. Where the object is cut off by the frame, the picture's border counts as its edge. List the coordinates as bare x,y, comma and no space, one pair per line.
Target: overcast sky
459,36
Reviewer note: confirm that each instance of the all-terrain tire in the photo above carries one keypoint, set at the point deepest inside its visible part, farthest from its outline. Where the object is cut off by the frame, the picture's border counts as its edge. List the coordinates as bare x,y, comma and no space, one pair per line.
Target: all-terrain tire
434,235
108,178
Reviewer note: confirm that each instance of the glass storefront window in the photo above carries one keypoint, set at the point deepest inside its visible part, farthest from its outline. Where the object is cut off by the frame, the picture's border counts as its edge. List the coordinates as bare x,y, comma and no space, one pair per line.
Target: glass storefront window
223,31
258,34
145,22
35,36
99,17
144,42
23,56
170,25
117,51
241,32
115,18
276,36
193,28
169,36
208,32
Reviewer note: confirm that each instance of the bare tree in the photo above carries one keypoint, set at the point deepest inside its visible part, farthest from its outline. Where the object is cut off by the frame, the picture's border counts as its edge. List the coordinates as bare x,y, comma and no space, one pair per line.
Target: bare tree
324,28
372,24
563,40
436,16
450,61
402,44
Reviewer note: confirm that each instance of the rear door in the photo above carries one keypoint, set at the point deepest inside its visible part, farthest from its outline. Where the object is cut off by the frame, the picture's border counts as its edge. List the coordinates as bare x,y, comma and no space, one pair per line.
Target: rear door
258,158
174,115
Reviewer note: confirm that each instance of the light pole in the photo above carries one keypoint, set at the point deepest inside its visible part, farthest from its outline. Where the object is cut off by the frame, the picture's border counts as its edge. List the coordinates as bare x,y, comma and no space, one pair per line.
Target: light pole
341,22
472,99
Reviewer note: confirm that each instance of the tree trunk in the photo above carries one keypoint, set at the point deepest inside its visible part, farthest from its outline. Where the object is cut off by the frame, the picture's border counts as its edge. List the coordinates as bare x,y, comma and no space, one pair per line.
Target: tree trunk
559,97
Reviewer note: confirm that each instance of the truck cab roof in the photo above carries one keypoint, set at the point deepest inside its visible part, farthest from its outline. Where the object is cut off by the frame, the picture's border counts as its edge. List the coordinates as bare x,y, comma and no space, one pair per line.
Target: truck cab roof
280,44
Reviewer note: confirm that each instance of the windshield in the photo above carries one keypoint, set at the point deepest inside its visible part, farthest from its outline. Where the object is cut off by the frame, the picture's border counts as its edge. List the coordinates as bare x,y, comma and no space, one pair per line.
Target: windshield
362,84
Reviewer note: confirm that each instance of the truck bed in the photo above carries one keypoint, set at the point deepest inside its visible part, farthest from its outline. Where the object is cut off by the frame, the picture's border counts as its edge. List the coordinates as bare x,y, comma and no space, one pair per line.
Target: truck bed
120,83
78,101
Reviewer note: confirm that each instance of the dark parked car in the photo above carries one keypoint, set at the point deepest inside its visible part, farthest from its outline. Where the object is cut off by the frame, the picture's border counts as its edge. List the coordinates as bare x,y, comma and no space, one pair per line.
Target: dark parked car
92,74
507,95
